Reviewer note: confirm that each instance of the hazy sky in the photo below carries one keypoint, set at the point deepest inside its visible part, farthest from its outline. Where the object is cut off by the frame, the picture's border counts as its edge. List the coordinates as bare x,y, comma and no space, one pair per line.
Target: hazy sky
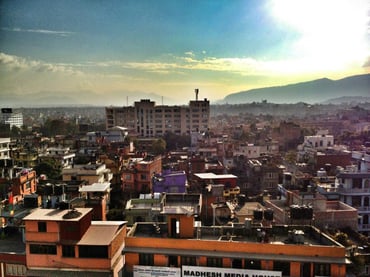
171,47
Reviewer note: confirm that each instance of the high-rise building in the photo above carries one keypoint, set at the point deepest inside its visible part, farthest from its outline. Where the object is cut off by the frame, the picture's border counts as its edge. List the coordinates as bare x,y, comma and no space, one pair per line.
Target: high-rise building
146,119
11,118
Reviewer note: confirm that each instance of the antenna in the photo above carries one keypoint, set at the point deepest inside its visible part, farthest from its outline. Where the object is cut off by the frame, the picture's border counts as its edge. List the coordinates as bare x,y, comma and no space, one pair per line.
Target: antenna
196,94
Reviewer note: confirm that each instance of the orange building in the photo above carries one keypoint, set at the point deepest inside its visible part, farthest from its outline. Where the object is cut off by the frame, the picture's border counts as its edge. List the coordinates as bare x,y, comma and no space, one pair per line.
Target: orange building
137,173
182,247
23,184
68,242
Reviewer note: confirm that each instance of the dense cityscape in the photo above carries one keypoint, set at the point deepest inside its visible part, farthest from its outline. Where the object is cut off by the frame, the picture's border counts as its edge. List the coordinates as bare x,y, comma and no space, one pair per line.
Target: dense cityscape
258,189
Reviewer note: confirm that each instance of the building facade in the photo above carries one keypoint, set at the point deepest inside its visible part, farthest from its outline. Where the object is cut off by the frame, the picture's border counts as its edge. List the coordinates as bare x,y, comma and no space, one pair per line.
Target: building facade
353,186
11,118
181,247
67,243
137,173
146,119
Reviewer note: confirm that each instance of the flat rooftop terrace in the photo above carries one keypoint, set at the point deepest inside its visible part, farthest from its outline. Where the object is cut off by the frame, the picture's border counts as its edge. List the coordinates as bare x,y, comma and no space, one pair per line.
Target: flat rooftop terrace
240,232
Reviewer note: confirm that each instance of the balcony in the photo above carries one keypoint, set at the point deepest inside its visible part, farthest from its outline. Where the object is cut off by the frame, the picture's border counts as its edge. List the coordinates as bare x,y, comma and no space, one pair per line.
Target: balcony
354,191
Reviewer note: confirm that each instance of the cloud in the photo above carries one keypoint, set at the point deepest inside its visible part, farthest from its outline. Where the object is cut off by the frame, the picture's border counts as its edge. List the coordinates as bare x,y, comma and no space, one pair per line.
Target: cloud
39,31
179,64
15,63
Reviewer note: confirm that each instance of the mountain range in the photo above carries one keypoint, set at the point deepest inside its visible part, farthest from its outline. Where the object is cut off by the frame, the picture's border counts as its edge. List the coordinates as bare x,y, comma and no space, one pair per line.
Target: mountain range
311,92
350,89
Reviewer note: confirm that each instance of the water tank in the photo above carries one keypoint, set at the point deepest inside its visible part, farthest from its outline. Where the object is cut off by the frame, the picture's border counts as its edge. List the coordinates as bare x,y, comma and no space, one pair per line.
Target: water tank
269,214
241,199
63,205
58,189
295,212
48,189
308,212
30,201
248,223
258,214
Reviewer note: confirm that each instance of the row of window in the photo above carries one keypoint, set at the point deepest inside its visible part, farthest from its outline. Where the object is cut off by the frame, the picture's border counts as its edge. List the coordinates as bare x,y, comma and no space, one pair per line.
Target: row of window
85,251
284,267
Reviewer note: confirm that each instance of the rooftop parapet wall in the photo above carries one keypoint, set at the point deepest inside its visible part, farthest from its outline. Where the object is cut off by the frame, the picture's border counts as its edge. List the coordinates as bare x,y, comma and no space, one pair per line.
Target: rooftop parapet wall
326,248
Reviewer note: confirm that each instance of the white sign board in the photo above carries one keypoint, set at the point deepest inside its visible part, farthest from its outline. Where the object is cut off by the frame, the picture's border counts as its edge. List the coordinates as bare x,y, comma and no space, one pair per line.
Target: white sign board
156,271
188,271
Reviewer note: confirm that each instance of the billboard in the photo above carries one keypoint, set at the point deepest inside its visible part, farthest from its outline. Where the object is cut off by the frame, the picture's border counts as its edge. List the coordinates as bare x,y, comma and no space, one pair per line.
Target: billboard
156,271
6,110
188,271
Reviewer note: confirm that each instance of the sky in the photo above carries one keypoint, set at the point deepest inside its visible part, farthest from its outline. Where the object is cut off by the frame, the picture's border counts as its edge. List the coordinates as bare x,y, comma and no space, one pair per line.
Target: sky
110,52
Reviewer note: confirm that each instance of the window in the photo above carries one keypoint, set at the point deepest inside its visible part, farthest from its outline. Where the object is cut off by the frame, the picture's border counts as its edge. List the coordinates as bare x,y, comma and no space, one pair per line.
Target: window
43,249
322,269
146,259
68,251
214,262
173,261
41,225
284,267
236,263
16,270
188,260
252,264
93,251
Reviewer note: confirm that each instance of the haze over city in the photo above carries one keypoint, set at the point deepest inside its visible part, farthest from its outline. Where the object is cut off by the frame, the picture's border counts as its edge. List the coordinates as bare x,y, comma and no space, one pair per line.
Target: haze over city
113,52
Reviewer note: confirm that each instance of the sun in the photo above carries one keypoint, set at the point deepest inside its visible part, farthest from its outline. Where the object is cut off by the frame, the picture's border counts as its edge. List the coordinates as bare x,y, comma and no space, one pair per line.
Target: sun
333,34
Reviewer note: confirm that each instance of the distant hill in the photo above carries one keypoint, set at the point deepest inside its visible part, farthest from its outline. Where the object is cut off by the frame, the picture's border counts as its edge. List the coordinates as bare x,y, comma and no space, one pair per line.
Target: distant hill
72,98
316,91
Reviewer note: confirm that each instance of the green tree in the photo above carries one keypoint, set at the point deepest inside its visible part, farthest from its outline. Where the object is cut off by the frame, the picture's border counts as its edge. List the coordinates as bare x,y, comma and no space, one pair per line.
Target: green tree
54,127
158,147
51,168
291,157
15,132
174,142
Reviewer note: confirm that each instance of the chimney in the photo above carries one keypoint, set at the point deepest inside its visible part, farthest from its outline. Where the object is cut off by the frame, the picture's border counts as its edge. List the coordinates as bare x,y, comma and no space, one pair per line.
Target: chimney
196,94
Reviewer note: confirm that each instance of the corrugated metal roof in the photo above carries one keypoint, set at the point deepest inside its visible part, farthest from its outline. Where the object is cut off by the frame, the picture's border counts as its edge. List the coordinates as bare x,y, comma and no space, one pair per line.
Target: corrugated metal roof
99,235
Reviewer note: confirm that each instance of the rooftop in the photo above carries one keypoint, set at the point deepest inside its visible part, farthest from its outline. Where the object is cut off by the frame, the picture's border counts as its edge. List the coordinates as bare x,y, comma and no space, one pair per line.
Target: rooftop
93,235
248,232
57,214
214,176
96,187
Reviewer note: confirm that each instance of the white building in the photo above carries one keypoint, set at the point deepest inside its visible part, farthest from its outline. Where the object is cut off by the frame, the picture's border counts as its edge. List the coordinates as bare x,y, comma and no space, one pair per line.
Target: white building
63,155
6,162
13,119
114,134
353,186
321,141
146,119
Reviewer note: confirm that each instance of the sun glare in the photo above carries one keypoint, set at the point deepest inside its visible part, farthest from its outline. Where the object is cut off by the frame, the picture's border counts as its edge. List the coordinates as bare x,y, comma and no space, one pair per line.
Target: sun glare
332,32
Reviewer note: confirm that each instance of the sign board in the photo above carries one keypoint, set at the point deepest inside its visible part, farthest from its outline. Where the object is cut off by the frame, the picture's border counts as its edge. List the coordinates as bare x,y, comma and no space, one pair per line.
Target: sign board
6,110
188,271
153,271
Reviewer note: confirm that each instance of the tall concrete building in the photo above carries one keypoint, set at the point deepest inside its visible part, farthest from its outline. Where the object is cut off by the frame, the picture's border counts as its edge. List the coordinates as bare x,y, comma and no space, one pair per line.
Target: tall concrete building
11,118
146,119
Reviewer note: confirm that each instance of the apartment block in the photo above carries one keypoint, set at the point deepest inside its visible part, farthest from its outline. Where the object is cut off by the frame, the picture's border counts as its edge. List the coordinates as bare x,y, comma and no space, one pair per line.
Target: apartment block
11,118
353,186
137,173
146,119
